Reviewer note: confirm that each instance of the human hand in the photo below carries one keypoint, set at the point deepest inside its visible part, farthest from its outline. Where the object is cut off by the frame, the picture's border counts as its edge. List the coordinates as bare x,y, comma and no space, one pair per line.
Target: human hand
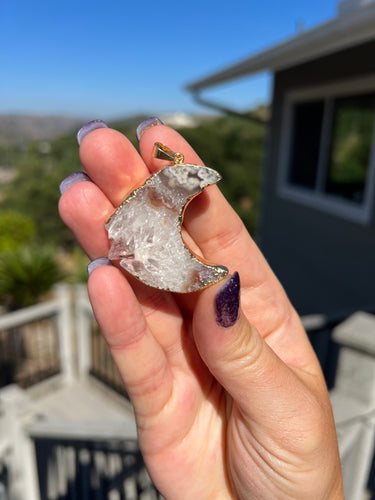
227,405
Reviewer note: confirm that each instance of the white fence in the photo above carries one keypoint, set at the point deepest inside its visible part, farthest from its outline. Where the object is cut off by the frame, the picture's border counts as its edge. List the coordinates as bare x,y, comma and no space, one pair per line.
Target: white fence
17,460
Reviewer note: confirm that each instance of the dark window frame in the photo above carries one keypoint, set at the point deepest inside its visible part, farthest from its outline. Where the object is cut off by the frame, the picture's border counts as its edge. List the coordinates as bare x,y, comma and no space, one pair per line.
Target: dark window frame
317,197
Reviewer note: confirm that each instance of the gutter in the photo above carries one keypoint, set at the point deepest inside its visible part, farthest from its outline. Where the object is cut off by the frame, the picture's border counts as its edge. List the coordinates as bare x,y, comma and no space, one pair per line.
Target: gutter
228,111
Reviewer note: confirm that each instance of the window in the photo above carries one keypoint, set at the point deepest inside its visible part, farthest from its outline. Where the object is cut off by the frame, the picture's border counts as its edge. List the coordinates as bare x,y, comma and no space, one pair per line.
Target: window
307,125
349,158
328,149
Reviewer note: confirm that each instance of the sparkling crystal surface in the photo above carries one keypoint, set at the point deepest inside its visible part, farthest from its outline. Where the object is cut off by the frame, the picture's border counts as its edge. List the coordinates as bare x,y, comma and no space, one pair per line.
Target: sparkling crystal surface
145,231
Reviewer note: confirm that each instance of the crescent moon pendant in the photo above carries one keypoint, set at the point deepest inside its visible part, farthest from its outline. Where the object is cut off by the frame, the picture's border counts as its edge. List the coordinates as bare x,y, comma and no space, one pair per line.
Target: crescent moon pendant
145,231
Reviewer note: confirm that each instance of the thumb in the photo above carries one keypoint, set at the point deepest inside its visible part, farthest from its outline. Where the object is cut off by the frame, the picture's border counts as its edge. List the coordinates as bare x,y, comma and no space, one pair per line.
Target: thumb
262,385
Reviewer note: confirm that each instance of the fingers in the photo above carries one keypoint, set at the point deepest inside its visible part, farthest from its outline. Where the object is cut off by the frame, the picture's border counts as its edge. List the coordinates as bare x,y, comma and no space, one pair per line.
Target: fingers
112,163
84,208
280,416
116,168
243,363
158,309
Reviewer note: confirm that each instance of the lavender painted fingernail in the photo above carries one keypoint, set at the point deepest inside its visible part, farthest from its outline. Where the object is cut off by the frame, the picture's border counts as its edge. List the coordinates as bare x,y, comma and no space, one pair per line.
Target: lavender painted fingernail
73,179
102,261
145,125
89,127
228,302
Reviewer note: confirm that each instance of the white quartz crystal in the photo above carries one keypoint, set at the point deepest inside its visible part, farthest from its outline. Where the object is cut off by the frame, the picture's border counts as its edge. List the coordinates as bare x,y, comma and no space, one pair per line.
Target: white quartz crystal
145,231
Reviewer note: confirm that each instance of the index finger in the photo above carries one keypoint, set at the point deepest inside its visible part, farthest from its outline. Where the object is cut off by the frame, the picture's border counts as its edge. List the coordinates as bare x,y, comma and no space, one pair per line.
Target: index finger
112,163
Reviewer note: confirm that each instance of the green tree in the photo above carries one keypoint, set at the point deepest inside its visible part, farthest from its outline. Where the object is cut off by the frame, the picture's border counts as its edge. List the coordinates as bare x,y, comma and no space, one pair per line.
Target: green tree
35,190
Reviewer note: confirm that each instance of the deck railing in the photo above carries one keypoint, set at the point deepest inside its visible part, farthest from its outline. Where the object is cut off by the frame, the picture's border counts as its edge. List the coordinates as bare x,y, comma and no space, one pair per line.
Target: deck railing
46,339
94,355
35,342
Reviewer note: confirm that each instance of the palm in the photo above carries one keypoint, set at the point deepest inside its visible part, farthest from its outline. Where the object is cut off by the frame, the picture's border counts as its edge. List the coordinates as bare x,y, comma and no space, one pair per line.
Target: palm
198,433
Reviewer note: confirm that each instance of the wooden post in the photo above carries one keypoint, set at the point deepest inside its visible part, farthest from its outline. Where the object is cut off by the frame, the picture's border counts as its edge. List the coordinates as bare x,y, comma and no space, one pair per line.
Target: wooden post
65,333
15,404
83,313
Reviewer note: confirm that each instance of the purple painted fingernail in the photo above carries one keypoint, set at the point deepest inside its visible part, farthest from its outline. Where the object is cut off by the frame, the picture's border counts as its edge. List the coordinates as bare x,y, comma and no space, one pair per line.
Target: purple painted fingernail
145,125
102,261
89,127
228,302
73,179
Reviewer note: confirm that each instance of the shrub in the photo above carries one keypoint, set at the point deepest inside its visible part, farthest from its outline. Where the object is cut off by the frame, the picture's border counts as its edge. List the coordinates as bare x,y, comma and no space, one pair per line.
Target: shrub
26,274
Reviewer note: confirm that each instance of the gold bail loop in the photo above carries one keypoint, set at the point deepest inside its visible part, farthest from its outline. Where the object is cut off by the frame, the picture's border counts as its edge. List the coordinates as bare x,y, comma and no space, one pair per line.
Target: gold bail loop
164,153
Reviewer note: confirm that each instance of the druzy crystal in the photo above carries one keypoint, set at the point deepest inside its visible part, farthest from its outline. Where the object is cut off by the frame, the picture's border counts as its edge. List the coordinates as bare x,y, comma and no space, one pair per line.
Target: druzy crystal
145,231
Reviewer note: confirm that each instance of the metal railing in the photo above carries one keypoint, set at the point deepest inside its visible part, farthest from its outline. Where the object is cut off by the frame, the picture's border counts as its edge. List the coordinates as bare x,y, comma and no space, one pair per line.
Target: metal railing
90,464
4,475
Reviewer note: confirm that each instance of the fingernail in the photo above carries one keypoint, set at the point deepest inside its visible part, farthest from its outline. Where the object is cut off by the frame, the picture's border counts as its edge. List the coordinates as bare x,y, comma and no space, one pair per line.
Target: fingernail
73,179
102,261
228,302
89,127
145,125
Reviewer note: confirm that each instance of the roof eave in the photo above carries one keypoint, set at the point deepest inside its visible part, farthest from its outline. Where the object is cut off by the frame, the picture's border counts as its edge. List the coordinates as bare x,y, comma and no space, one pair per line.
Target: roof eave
347,30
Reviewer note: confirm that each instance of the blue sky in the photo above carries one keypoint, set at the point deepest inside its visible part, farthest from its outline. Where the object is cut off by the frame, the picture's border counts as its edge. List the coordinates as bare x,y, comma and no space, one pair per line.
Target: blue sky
105,59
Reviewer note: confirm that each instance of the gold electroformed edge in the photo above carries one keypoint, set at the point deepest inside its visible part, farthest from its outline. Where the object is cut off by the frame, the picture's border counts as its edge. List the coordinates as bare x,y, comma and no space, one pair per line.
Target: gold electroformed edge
179,222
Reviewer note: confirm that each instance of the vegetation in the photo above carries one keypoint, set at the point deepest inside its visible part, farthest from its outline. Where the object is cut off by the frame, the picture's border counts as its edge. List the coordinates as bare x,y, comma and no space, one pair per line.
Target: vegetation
35,189
233,147
30,225
15,230
26,274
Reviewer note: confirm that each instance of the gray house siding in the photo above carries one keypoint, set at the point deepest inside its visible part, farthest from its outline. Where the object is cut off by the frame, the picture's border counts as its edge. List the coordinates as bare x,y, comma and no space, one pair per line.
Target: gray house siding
325,262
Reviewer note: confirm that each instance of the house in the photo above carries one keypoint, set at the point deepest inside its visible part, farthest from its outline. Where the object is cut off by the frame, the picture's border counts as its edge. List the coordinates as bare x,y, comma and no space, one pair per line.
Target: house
317,212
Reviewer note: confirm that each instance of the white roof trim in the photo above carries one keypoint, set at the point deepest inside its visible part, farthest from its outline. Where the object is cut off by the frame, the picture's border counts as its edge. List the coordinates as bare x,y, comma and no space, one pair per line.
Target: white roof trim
349,29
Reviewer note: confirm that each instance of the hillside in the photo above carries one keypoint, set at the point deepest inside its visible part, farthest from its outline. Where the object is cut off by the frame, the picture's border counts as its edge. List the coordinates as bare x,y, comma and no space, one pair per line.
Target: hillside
18,129
231,145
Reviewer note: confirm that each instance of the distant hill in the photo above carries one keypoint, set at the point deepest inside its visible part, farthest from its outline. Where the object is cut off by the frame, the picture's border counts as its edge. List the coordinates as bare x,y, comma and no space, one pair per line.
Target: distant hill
17,129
